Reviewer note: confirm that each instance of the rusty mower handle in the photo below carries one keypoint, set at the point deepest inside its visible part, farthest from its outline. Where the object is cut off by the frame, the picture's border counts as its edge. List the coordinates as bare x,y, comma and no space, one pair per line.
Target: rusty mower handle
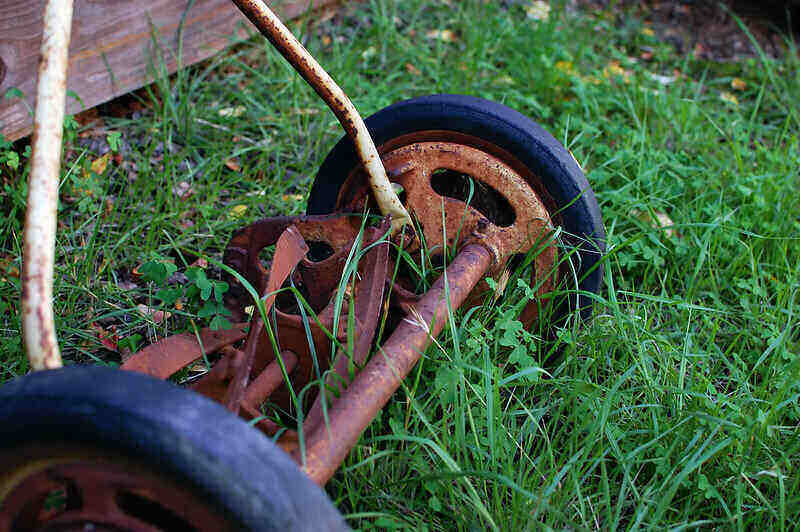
38,255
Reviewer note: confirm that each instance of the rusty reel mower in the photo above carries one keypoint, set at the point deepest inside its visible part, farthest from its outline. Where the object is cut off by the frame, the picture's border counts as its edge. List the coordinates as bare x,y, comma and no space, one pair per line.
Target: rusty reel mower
324,333
309,340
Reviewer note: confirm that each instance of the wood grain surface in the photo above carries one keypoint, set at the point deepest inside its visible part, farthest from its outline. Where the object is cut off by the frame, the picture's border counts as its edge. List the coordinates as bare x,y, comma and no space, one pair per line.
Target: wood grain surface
114,46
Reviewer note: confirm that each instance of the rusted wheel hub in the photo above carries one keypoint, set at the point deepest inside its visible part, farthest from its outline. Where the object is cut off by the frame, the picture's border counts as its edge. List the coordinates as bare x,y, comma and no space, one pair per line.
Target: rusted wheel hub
59,487
459,194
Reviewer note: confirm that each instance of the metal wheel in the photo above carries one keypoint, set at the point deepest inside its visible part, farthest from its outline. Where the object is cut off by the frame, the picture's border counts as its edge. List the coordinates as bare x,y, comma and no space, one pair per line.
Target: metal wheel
59,486
432,145
95,448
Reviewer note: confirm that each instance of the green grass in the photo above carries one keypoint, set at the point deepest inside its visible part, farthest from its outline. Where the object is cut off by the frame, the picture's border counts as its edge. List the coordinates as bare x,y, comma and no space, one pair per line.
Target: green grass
676,406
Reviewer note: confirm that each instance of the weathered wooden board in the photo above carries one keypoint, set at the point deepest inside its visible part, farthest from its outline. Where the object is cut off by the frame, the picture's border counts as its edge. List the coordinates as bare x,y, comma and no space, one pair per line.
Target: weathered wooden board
114,44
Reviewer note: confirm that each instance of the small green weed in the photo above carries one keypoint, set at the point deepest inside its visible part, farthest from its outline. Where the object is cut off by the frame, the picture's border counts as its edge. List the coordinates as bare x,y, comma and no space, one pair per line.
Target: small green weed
199,293
10,157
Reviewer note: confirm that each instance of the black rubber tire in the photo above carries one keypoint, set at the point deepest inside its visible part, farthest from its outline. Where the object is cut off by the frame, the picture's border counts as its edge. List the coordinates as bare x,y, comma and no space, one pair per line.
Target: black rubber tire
169,429
499,125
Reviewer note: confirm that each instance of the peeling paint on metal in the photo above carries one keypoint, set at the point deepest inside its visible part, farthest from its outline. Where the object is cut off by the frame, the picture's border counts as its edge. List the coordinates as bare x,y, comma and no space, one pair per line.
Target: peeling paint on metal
38,253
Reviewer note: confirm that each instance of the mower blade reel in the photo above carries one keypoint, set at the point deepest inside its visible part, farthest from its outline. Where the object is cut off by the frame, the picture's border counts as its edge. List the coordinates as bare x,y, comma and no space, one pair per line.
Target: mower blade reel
290,249
368,303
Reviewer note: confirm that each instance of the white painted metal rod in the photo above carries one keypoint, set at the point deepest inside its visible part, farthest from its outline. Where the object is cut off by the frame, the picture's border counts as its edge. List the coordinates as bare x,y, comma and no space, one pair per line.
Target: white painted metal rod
38,255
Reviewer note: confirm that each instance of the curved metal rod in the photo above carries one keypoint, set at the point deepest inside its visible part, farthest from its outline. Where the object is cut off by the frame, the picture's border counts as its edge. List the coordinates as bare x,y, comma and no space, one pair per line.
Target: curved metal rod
304,63
38,254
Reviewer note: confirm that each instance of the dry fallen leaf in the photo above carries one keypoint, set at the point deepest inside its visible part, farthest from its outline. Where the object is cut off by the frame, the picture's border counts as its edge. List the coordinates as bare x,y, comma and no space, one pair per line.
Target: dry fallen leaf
726,96
232,112
109,339
326,14
442,35
665,221
538,10
738,84
614,69
237,211
8,266
200,263
662,221
699,50
156,315
663,80
504,80
566,67
233,164
369,52
186,218
411,69
183,190
99,165
292,197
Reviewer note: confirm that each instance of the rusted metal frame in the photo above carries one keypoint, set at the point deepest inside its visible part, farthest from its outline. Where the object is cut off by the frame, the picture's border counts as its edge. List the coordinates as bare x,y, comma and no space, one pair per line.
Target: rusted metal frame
327,446
165,357
38,254
242,251
262,386
304,63
241,255
269,379
242,366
